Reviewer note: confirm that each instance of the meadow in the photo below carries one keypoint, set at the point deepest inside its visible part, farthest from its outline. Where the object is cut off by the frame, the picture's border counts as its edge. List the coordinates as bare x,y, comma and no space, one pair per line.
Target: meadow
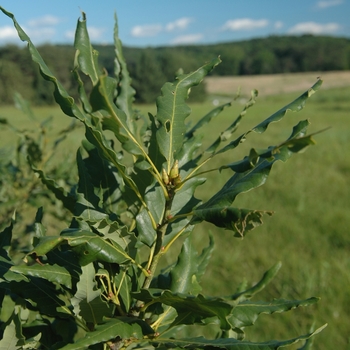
309,232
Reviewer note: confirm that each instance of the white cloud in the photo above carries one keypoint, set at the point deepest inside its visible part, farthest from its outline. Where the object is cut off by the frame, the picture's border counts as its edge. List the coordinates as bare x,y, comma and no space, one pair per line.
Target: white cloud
278,25
187,39
47,20
328,3
8,33
245,24
36,34
69,34
314,28
95,33
146,30
41,34
181,23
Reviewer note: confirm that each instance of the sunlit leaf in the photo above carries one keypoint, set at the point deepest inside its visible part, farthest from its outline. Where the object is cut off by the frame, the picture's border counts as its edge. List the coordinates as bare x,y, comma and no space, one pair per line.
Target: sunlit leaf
52,273
9,339
87,300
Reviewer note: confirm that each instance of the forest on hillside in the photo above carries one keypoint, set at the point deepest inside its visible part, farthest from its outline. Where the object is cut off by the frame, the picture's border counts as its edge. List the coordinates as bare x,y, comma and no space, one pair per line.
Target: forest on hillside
150,68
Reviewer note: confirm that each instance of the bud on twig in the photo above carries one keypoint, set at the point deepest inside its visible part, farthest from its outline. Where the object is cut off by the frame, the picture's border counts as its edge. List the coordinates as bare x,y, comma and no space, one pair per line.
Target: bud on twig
177,181
174,172
165,177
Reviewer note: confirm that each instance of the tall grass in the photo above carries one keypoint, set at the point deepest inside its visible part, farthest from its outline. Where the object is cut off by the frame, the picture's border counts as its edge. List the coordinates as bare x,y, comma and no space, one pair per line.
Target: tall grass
309,232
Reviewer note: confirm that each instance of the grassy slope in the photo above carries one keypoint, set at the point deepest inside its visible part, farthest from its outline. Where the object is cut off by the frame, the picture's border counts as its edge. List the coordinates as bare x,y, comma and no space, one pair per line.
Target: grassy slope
308,233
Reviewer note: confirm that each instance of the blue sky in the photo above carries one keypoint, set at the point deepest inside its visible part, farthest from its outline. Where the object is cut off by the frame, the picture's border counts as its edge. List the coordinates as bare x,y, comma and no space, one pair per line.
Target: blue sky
157,23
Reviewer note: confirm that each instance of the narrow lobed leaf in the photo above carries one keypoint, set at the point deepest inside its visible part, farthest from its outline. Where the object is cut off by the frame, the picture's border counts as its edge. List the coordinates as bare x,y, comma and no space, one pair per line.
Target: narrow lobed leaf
295,106
247,312
230,343
172,111
124,94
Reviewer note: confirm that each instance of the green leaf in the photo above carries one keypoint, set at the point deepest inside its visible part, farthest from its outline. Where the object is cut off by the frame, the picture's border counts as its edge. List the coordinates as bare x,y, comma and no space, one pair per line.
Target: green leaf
206,119
125,93
42,295
246,313
297,142
231,344
172,111
190,309
112,329
239,183
88,202
115,120
216,210
154,199
23,105
87,245
295,106
91,247
9,338
39,228
146,232
67,199
87,300
45,245
95,135
124,287
184,276
309,342
7,309
266,279
5,242
187,157
204,257
240,221
101,186
52,273
228,132
85,56
184,200
6,274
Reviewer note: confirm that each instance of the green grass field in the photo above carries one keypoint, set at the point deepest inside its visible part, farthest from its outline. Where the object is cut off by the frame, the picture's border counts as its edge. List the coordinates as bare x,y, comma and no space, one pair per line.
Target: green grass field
309,194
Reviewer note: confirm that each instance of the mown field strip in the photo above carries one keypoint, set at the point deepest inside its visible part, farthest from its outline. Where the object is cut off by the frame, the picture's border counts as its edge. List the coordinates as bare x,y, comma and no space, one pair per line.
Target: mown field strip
273,84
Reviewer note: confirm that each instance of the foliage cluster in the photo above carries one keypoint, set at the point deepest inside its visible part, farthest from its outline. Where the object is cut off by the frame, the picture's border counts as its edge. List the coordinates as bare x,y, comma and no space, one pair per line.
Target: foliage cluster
150,68
97,284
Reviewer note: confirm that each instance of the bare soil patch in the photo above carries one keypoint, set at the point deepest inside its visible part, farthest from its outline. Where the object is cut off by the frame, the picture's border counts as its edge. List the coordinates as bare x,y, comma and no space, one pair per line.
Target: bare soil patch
275,83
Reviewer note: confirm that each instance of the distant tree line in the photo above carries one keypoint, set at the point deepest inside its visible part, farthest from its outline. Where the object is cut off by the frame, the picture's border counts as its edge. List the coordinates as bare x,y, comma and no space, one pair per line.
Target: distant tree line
150,68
